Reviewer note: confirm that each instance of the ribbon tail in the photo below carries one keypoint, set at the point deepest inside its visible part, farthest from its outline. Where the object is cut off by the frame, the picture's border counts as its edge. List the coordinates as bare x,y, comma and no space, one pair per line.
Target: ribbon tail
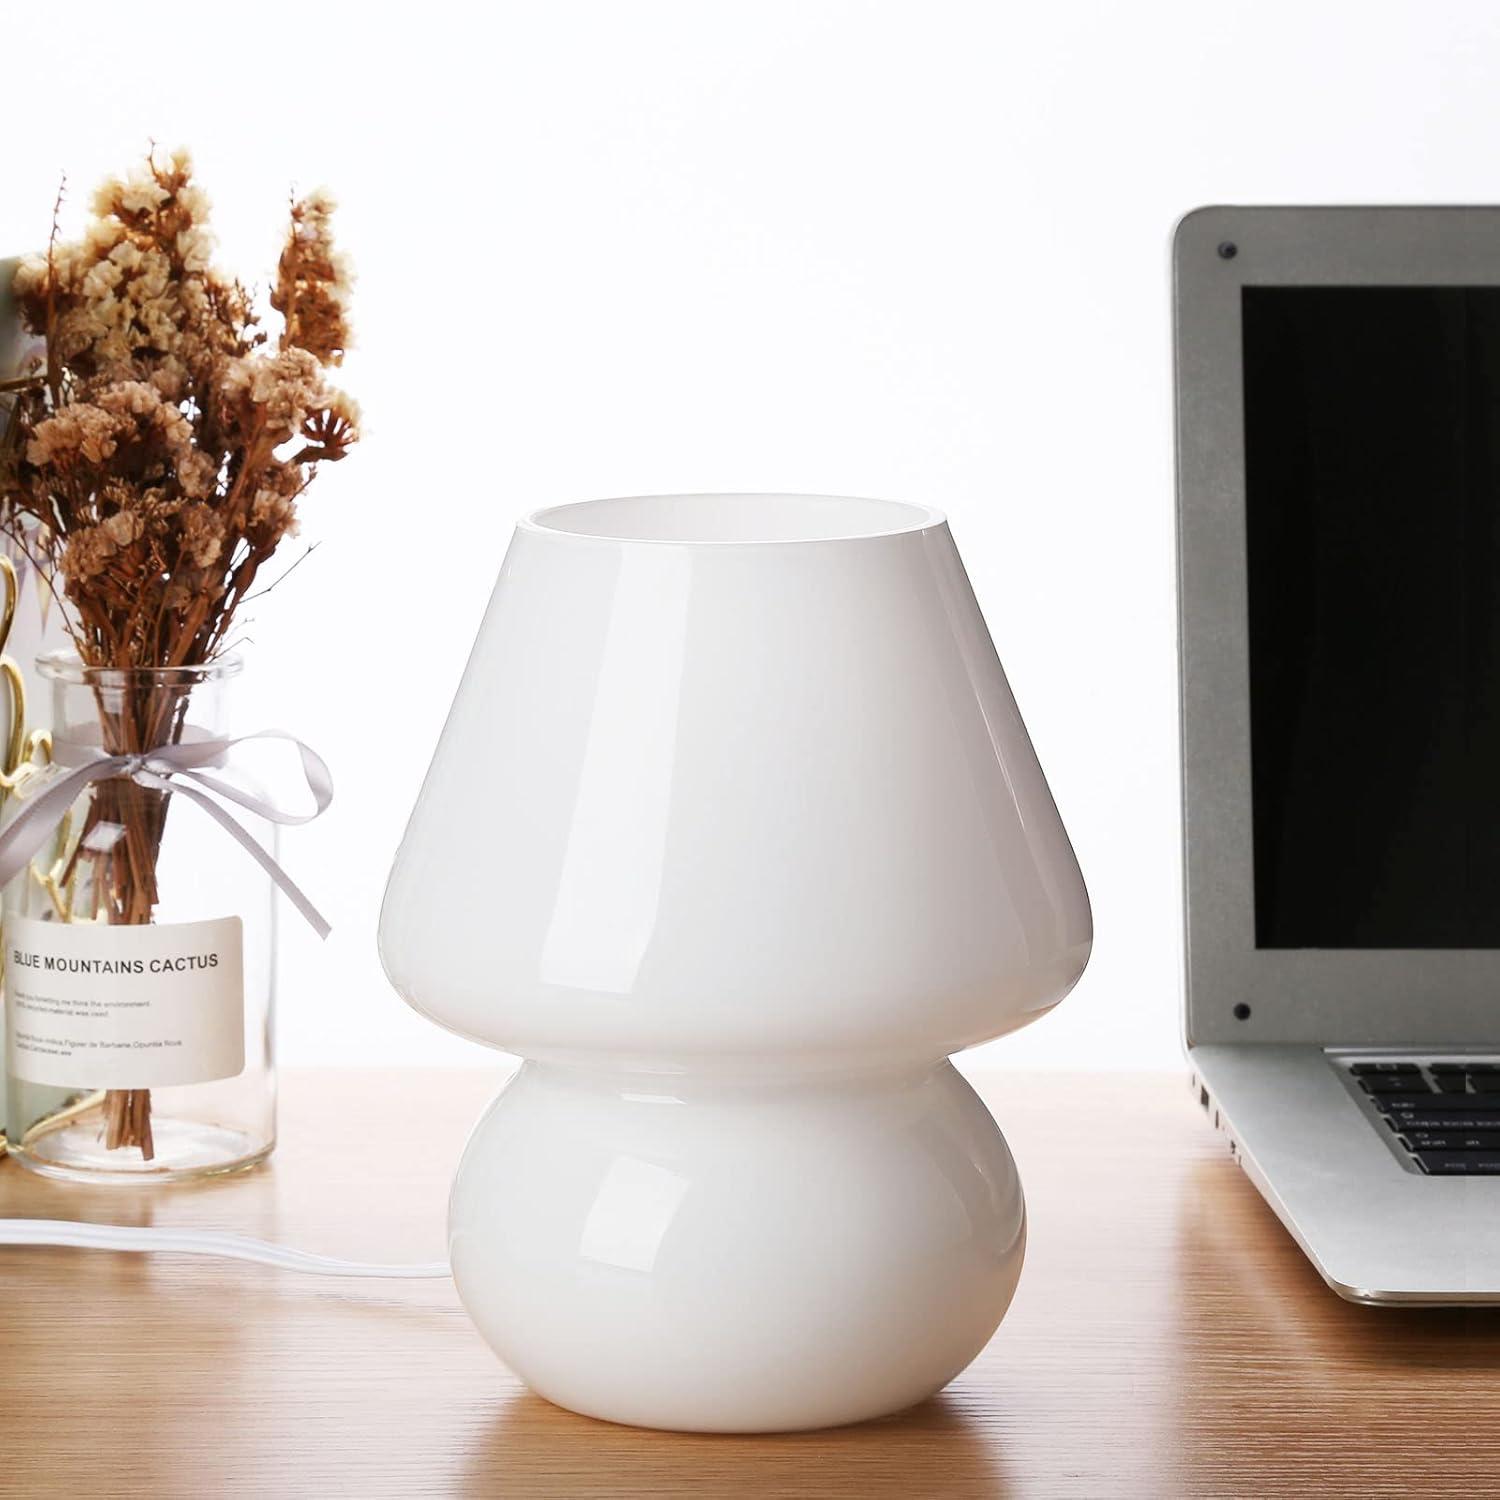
252,846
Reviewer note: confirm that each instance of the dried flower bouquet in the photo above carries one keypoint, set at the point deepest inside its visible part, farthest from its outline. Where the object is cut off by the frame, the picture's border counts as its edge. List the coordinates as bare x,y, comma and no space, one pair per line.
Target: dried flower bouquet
152,465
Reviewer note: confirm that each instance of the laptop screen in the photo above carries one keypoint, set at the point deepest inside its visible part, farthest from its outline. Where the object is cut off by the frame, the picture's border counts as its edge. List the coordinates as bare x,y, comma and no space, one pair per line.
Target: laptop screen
1372,449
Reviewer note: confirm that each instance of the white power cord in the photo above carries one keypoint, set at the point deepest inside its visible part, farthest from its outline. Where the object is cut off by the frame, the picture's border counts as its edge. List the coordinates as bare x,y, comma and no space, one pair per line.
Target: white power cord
199,1242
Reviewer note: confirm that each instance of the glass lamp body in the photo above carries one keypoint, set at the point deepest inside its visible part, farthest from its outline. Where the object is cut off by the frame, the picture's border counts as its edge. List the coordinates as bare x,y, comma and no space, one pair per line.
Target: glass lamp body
735,835
199,876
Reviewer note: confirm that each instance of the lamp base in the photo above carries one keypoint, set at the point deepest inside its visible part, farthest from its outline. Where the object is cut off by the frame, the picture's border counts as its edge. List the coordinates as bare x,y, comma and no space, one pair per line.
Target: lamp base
719,1253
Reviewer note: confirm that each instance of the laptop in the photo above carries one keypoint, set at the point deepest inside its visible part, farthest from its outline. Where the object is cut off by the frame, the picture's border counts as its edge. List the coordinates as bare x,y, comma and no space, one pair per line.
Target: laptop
1338,464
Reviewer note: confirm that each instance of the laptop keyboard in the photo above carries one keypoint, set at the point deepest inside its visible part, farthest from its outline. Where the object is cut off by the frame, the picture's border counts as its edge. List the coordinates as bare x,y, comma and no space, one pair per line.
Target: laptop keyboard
1444,1115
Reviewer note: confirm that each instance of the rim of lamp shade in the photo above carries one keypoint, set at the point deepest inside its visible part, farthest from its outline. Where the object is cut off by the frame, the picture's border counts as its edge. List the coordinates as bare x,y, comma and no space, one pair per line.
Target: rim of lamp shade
749,519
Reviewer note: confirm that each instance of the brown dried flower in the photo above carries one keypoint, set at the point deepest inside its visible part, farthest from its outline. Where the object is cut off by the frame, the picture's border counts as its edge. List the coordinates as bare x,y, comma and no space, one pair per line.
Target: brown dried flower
156,461
313,282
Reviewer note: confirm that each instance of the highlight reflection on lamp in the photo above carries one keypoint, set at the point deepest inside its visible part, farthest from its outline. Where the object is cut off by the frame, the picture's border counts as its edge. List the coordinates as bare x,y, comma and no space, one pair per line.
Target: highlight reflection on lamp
735,835
631,1214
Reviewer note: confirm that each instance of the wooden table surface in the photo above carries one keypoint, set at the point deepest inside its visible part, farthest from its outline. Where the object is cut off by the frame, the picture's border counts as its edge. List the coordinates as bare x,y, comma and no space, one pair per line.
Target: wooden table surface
1167,1339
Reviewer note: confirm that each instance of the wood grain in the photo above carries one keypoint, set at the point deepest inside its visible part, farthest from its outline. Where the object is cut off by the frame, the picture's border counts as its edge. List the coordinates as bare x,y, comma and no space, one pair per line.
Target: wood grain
1167,1340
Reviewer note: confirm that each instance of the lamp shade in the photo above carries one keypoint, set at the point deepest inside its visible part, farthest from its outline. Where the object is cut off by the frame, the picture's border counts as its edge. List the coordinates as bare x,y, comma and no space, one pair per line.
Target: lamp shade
731,769
734,796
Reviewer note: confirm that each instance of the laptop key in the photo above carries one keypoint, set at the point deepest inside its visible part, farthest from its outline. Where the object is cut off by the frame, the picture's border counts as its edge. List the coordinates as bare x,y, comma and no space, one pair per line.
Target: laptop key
1460,1163
1405,1124
1396,1083
1366,1069
1451,1140
1449,1083
1473,1104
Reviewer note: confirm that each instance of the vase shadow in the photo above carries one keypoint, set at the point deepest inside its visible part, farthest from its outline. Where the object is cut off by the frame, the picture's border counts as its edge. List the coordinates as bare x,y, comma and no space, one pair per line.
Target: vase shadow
535,1448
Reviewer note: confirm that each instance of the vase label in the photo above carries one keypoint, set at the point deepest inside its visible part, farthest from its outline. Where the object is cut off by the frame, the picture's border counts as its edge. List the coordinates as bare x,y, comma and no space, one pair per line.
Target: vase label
90,1005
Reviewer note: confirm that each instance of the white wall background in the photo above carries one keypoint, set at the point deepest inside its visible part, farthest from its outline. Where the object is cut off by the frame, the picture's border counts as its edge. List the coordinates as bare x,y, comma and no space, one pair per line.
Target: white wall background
911,249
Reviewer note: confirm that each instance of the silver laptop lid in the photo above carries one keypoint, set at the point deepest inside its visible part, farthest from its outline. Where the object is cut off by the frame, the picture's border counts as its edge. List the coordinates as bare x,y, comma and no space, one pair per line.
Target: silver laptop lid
1338,452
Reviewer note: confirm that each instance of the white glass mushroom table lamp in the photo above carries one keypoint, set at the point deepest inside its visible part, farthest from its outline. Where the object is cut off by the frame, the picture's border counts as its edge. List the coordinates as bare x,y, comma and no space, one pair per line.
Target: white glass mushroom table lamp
735,835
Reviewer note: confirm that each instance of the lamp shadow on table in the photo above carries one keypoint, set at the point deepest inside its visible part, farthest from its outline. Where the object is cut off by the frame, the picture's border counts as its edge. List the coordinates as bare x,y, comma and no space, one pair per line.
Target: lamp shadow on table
533,1447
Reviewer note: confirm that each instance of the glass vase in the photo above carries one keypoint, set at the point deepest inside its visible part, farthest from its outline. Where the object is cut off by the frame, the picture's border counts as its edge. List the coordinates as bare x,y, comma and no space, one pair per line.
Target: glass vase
139,949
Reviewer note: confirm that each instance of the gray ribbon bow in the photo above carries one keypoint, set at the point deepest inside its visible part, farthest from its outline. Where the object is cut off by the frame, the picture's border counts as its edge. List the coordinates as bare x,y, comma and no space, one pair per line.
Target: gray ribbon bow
170,768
